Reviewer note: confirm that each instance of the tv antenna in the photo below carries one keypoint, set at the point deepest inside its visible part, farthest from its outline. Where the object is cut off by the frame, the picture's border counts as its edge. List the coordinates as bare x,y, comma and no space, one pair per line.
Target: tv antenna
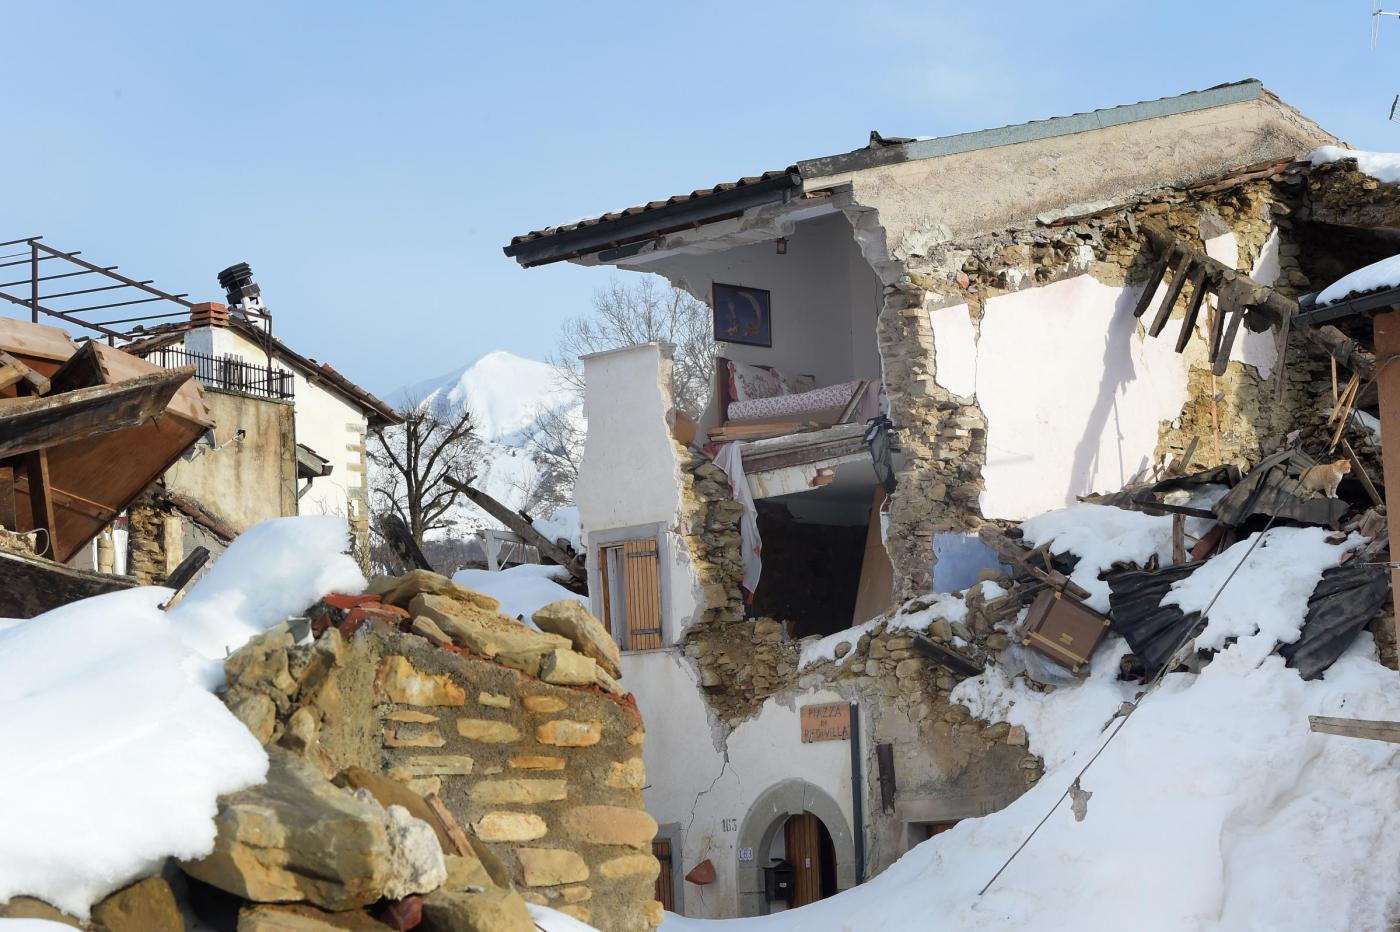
1376,14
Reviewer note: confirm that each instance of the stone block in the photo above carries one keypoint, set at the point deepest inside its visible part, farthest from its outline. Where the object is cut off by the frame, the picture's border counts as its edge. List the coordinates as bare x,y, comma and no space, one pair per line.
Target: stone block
395,738
258,713
570,619
495,700
489,634
631,865
515,790
566,668
566,733
424,786
145,906
581,913
544,704
504,825
402,590
630,774
612,825
388,792
444,765
410,716
653,912
536,762
579,894
487,731
398,681
1016,736
551,867
490,910
262,917
297,837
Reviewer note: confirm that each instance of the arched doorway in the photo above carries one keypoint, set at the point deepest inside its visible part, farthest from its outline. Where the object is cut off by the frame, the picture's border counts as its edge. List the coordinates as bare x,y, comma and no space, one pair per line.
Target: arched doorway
795,821
807,846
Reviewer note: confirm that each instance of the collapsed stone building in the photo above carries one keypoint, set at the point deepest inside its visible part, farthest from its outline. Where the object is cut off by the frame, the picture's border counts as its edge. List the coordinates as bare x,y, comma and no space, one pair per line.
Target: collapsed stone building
1031,308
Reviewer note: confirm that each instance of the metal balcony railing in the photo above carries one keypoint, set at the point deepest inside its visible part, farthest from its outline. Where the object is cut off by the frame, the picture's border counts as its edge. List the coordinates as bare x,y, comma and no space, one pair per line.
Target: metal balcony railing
226,372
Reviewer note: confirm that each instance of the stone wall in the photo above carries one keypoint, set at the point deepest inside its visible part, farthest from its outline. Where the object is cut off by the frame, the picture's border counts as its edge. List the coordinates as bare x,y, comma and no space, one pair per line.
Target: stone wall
522,734
1235,417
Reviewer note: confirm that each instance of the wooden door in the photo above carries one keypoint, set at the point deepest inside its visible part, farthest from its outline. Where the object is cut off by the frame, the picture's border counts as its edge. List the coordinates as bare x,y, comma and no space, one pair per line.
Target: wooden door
802,843
665,891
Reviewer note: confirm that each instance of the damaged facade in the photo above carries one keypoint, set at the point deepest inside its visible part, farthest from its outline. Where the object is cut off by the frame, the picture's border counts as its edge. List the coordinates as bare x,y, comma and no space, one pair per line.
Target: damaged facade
981,290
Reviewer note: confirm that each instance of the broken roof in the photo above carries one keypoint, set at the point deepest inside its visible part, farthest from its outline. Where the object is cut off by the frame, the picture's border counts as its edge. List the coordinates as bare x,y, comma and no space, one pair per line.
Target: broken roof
616,230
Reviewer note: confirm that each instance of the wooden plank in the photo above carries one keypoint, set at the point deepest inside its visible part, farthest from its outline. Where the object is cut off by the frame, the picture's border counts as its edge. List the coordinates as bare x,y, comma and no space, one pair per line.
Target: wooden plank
36,468
1386,328
28,424
7,498
30,585
1222,357
450,825
945,656
1224,306
884,761
1193,308
1149,285
520,525
643,594
1178,539
37,382
1183,271
10,375
1361,474
1369,729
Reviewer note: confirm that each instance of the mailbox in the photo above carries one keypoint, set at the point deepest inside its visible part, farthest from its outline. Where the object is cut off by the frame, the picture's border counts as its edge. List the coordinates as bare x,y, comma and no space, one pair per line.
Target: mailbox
778,882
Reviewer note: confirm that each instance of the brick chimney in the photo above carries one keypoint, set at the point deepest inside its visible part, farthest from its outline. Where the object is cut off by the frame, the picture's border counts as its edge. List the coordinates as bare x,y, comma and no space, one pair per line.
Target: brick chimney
209,314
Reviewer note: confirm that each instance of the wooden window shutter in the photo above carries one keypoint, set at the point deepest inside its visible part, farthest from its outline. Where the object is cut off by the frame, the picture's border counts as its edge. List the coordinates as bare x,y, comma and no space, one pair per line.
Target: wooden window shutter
643,594
665,890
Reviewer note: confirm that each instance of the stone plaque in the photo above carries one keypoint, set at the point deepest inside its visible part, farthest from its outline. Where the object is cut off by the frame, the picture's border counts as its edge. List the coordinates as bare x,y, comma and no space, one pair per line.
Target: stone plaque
828,722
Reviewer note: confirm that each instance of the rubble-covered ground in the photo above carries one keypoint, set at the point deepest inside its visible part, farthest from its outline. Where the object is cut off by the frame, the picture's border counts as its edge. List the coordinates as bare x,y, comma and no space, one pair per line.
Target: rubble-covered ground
1215,807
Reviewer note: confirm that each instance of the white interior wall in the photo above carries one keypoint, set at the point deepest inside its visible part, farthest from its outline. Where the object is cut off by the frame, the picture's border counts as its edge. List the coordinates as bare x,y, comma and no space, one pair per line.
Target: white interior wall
825,298
1071,390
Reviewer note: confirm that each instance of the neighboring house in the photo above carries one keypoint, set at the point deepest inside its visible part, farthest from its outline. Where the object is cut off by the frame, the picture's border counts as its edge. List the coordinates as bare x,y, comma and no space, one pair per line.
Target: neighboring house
981,288
291,437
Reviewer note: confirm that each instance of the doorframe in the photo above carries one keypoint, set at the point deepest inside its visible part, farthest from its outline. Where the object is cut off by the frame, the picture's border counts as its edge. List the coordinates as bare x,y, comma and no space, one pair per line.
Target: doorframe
765,818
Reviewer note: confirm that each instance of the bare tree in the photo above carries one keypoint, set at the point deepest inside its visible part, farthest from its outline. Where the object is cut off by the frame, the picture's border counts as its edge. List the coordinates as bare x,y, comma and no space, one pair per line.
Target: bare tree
643,310
411,460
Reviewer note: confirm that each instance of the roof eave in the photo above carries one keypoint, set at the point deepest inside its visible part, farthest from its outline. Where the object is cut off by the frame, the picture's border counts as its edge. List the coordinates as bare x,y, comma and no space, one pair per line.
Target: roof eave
646,224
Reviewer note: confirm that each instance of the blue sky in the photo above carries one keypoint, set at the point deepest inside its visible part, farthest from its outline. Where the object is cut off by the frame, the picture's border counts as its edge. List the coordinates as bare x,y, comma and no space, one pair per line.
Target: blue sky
370,159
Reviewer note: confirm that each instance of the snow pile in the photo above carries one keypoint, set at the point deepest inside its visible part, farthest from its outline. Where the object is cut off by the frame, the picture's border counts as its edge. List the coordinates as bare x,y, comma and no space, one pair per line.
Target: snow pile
1373,277
522,590
1382,166
114,748
562,525
941,605
1215,807
1240,612
1100,535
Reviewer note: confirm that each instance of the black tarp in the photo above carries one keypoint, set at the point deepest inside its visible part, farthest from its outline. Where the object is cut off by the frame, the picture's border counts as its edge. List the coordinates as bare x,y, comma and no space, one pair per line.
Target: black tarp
1152,630
1271,489
1344,602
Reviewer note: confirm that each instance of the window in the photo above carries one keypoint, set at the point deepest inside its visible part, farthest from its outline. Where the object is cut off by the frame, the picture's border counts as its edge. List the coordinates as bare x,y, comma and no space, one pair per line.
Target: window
631,592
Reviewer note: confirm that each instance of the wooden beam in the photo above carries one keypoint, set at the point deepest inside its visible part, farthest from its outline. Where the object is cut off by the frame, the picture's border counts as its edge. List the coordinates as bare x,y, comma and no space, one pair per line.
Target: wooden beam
945,656
1227,341
1369,729
1386,328
1149,285
1184,269
28,424
1199,287
37,383
31,585
520,525
1361,474
36,467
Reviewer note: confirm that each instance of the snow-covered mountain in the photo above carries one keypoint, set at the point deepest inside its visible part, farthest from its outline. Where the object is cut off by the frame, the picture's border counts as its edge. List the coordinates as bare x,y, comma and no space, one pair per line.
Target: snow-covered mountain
508,395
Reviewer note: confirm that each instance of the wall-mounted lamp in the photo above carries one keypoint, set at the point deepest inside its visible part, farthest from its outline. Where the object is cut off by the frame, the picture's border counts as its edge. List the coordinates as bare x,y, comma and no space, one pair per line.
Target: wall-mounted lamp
782,245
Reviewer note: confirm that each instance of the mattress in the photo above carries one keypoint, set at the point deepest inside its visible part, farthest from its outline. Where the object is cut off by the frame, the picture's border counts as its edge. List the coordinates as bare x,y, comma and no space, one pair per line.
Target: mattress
780,406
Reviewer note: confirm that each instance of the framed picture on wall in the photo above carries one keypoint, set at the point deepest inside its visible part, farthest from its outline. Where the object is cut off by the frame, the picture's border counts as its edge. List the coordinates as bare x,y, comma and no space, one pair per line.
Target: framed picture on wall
742,314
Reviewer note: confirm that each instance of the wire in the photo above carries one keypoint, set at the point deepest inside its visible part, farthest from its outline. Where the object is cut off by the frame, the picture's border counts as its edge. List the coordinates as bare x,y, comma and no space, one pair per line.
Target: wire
1152,684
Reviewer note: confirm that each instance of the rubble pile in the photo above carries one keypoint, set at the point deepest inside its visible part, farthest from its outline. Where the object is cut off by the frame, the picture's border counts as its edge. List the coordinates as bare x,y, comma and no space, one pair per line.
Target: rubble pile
433,764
